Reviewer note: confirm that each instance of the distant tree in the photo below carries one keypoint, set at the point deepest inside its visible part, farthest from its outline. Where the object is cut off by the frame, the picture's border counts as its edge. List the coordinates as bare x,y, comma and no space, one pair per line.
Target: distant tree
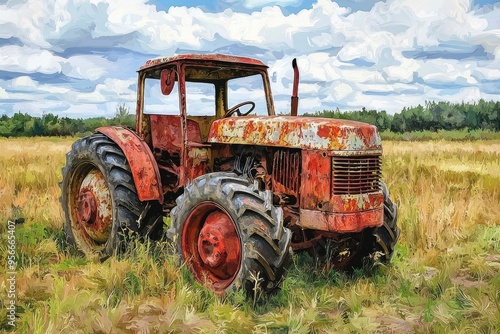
90,124
495,117
37,129
380,119
398,123
123,116
6,127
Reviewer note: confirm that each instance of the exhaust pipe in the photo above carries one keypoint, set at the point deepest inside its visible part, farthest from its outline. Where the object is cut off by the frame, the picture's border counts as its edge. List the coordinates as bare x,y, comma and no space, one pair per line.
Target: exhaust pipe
295,92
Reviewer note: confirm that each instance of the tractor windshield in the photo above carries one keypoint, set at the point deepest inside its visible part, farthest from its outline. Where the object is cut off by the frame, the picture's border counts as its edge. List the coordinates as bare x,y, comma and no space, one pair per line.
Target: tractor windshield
249,88
210,91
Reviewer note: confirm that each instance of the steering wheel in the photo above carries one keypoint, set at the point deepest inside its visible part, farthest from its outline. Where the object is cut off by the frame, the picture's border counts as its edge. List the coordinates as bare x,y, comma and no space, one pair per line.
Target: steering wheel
236,109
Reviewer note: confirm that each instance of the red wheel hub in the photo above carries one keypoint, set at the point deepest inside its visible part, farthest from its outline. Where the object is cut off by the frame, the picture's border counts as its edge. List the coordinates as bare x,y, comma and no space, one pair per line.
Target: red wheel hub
211,246
92,209
212,240
87,208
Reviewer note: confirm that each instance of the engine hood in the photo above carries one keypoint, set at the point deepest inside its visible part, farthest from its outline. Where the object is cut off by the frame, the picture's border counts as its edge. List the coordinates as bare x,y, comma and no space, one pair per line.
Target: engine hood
309,133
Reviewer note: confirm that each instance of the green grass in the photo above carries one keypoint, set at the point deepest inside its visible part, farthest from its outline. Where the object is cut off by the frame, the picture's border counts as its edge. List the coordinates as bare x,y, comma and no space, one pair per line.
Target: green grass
451,135
444,276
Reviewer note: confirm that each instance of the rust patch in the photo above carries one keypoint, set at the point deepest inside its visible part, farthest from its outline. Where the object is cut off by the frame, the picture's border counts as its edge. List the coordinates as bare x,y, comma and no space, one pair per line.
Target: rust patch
325,132
166,132
141,160
315,181
356,203
197,162
211,246
87,206
198,58
309,133
94,210
286,172
341,223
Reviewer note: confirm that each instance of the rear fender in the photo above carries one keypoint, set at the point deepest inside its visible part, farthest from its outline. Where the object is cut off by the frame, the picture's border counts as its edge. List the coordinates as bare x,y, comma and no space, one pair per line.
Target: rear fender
142,163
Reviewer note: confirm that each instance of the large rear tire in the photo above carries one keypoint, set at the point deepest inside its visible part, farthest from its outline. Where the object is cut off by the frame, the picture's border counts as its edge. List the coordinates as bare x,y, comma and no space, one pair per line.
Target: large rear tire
230,235
99,198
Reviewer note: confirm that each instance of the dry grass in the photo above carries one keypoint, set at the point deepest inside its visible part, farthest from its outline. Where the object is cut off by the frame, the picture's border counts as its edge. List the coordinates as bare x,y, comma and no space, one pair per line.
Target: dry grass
445,275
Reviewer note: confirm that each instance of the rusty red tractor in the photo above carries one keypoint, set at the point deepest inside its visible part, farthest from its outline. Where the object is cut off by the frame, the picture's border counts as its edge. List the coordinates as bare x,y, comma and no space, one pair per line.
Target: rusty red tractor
243,186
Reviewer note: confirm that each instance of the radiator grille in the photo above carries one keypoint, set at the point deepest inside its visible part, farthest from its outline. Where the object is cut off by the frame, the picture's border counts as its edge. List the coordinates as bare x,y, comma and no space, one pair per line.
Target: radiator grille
286,171
356,174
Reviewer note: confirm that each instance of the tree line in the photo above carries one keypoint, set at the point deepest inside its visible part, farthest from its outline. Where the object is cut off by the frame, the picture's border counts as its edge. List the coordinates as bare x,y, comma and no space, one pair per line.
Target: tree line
433,116
25,125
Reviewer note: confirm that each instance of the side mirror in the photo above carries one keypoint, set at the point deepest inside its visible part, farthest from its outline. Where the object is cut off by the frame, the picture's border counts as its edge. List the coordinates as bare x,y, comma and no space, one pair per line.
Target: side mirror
167,79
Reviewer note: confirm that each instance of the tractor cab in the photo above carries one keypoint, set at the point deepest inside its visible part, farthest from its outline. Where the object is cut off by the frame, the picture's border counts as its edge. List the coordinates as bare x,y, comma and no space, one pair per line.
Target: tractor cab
201,88
179,98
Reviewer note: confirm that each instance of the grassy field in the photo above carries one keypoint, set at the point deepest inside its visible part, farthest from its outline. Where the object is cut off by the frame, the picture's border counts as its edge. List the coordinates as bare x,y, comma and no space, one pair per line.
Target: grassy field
444,277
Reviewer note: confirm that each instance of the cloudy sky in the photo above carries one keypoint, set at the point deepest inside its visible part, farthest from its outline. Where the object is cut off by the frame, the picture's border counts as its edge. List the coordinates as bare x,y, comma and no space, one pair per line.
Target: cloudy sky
79,58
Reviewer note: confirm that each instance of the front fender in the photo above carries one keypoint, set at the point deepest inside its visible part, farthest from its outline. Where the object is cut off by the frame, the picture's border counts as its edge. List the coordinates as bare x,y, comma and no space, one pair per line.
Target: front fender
142,163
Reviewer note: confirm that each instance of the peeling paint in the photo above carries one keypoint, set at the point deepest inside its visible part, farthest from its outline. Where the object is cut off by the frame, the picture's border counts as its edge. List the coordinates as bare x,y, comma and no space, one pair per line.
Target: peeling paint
310,133
200,57
141,160
94,209
341,223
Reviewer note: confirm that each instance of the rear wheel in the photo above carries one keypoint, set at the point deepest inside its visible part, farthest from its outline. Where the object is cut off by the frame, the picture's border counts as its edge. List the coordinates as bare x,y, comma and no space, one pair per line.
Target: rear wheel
99,198
230,235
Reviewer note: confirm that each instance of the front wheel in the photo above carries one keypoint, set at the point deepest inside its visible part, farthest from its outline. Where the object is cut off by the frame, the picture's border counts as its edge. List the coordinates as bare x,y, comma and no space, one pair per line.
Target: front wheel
356,250
230,235
387,235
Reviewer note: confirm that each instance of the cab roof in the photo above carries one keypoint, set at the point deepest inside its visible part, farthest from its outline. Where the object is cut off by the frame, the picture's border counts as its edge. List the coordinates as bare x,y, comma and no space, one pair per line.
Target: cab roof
201,58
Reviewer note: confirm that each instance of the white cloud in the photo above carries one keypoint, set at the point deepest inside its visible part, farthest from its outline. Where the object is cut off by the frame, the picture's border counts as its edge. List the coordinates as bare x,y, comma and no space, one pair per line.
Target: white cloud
469,94
389,103
87,67
261,3
341,91
33,21
447,71
393,88
91,110
3,94
24,83
39,107
402,69
24,59
110,90
309,105
488,73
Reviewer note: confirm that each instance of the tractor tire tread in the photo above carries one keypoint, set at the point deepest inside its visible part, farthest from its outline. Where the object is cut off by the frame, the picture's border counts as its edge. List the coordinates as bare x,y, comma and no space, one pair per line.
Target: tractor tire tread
264,255
98,151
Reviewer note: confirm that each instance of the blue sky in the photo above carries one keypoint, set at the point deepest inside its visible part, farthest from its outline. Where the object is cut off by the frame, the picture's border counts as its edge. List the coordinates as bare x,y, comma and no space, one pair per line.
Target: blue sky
79,58
290,6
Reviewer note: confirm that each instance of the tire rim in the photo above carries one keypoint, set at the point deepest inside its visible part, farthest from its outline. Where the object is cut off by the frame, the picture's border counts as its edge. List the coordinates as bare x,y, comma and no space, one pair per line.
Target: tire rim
211,246
91,208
